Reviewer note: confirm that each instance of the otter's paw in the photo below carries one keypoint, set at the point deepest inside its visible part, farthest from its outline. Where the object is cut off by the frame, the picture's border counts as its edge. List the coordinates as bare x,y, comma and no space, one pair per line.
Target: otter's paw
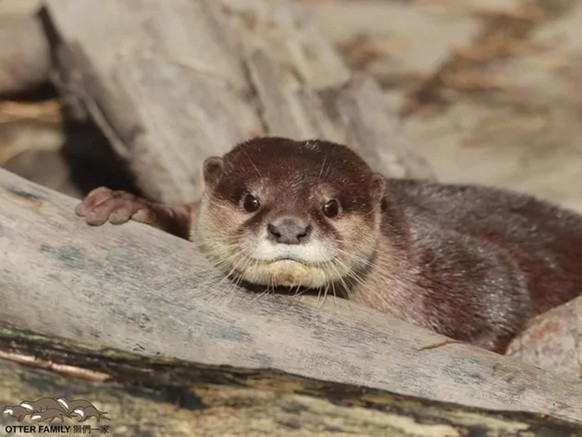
117,207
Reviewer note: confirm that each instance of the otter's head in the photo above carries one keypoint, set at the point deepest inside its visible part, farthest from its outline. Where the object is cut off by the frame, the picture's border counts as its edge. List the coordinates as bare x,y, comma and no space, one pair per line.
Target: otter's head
278,212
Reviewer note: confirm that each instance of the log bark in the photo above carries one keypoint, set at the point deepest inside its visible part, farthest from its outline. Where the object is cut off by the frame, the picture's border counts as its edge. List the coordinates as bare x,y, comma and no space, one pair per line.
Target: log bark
172,83
139,290
154,396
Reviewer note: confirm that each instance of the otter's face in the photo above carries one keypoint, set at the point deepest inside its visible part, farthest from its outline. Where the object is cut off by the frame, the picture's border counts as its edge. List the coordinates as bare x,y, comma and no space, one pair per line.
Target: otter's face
282,213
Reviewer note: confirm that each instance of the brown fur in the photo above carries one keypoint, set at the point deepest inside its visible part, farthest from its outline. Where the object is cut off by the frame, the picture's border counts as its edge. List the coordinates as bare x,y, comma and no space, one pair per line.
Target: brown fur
471,262
104,205
292,184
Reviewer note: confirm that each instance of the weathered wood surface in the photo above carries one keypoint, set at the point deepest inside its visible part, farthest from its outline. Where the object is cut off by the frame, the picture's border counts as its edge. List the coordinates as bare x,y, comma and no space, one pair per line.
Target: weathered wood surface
553,340
137,289
161,397
171,83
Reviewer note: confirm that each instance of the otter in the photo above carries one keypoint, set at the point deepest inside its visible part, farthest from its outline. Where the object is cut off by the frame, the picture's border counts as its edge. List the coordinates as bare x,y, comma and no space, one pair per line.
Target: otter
41,404
71,405
471,262
16,411
85,413
49,415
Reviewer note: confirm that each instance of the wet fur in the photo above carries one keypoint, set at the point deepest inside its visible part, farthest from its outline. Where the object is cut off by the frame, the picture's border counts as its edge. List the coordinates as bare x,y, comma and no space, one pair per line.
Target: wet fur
471,262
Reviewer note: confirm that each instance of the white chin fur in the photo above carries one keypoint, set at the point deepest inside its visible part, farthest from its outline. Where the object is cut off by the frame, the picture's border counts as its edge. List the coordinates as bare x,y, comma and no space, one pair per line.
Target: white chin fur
286,273
311,253
289,265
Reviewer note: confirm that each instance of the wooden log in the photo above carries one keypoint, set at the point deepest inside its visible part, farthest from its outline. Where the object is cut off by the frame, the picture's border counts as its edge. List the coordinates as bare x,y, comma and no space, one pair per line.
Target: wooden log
171,83
154,396
24,54
140,290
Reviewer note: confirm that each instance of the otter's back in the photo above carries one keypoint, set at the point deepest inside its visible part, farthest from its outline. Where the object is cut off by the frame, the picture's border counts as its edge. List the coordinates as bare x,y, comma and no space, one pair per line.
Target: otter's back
546,240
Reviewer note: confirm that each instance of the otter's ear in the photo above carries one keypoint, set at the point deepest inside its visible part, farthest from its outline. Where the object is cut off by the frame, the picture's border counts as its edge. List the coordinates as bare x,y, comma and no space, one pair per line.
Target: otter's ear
378,187
213,169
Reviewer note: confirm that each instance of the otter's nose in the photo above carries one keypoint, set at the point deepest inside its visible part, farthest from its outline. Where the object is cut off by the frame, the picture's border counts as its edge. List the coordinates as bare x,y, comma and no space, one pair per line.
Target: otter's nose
288,231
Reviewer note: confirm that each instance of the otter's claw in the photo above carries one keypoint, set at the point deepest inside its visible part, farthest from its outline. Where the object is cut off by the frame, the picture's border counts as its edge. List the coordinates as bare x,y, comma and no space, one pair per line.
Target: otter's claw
102,205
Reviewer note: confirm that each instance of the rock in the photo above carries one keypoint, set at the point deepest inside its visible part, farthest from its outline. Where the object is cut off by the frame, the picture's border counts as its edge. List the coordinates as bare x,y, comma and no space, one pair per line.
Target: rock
553,340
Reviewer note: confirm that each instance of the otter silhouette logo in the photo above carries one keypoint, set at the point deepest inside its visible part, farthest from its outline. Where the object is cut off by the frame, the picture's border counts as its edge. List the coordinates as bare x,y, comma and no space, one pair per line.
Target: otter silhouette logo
48,415
18,412
82,409
49,409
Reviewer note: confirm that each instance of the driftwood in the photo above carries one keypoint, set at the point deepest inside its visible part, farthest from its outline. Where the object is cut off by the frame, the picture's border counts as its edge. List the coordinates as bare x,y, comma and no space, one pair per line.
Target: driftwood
171,83
154,396
137,289
24,54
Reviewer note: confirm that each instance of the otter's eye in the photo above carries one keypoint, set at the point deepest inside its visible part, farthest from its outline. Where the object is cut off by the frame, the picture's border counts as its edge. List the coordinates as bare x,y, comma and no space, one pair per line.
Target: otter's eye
251,203
331,208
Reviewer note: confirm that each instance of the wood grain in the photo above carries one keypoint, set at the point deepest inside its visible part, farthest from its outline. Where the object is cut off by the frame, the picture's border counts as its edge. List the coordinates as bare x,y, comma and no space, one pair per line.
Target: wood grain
156,396
171,83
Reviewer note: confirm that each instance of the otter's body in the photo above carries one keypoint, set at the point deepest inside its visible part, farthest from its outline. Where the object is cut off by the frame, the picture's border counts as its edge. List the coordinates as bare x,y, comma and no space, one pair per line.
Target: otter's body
474,263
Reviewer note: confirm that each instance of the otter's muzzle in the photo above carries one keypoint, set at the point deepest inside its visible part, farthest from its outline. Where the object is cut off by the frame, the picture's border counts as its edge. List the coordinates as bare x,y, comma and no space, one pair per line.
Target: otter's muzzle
288,230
